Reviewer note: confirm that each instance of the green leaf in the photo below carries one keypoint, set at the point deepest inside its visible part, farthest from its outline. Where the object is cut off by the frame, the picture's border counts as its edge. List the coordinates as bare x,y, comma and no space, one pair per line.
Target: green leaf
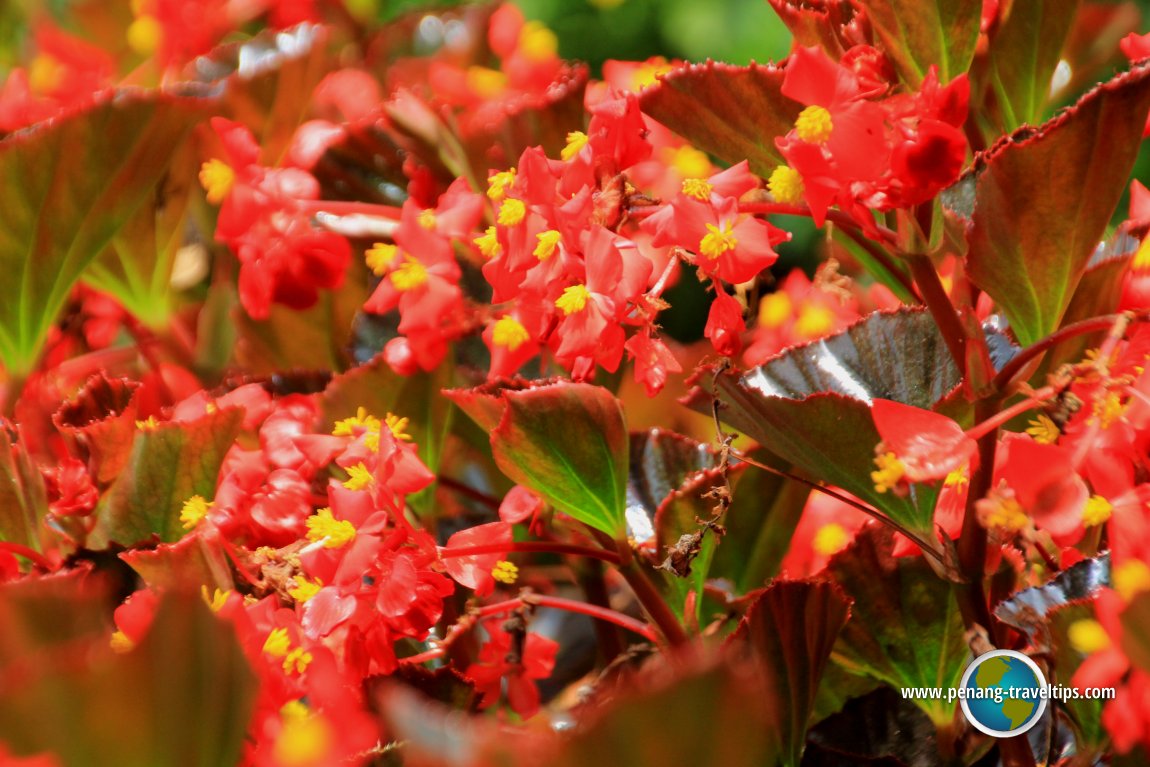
735,113
566,441
183,696
70,184
169,463
918,33
810,404
1043,200
136,268
1023,55
905,628
23,500
789,631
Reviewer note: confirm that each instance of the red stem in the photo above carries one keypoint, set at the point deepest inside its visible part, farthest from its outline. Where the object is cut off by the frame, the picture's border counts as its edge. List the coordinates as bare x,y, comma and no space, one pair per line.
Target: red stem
527,547
575,606
27,553
998,419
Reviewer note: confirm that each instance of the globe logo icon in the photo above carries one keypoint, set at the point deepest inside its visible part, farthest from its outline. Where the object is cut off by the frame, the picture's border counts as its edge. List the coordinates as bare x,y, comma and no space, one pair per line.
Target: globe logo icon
1003,693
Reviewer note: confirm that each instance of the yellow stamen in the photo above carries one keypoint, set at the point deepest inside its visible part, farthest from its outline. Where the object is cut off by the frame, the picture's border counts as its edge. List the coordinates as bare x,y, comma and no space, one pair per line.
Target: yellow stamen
718,241
576,140
486,83
1004,513
1096,511
814,125
1109,409
120,642
1130,578
297,661
45,73
698,188
334,533
889,473
488,243
1088,636
409,275
774,310
1141,262
830,539
786,185
548,242
145,34
509,333
194,509
304,589
304,739
148,424
217,600
537,42
379,257
574,299
498,184
348,427
689,161
397,426
277,644
511,212
427,218
814,320
505,572
217,179
359,477
1043,429
956,478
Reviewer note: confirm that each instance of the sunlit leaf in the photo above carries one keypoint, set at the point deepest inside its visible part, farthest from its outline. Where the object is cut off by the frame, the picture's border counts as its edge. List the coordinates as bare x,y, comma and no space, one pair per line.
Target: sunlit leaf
732,112
566,441
169,463
1026,610
905,628
70,185
917,34
1044,198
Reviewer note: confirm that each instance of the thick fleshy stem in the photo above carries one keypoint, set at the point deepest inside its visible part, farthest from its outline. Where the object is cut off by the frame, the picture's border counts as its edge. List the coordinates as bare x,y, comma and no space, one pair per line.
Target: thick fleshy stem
940,306
649,597
972,543
530,547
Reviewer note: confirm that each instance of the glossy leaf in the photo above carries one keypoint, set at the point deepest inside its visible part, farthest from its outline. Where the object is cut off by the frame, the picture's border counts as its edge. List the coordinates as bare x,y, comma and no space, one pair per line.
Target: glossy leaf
1023,54
1027,609
905,628
880,728
660,464
811,404
168,465
735,113
182,696
788,632
1031,239
71,184
917,34
566,441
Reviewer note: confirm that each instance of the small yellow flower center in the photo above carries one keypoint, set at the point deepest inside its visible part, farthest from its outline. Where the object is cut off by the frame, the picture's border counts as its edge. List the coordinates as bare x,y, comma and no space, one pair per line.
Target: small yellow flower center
1096,511
488,243
304,589
148,424
889,472
1043,429
277,644
217,178
814,320
359,477
297,661
379,257
397,426
814,125
537,42
689,161
498,184
145,34
348,427
1141,262
830,539
509,333
217,599
120,642
45,73
774,310
512,212
409,275
1131,578
505,572
427,219
576,140
304,739
548,242
334,533
1003,513
1109,409
574,299
194,510
1088,636
956,478
698,188
718,241
486,83
786,185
